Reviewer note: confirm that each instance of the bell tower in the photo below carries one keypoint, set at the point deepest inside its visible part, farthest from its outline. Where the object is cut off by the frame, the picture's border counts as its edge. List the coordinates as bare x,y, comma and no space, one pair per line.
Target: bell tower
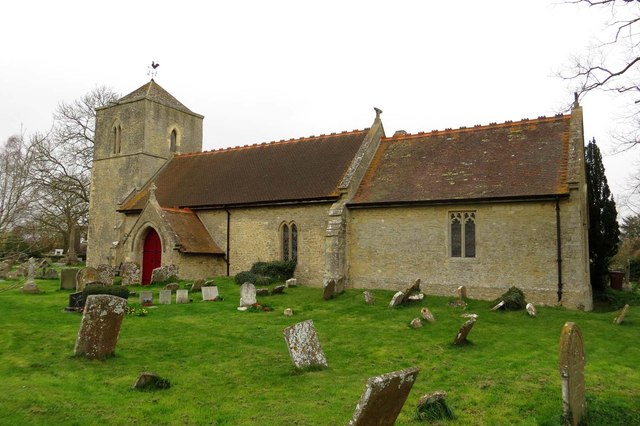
135,136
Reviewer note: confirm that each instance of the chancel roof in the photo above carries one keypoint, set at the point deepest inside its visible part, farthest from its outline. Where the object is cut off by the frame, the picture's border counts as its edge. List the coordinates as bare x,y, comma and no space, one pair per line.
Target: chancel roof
512,160
307,169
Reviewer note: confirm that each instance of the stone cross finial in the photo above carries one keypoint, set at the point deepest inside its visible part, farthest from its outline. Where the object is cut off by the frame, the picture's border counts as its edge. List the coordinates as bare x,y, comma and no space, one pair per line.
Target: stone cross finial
378,112
152,191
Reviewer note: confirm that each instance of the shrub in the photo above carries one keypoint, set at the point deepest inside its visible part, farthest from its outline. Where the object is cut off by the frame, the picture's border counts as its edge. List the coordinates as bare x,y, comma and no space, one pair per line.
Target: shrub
513,299
119,291
245,276
278,270
262,280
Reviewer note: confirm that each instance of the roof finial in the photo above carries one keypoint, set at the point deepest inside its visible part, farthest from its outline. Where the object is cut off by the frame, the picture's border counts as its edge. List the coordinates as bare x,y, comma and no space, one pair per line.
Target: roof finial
152,191
152,70
378,112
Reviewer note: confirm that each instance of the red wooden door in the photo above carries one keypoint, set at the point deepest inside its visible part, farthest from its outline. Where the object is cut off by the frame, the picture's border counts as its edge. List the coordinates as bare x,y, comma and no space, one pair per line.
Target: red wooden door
151,255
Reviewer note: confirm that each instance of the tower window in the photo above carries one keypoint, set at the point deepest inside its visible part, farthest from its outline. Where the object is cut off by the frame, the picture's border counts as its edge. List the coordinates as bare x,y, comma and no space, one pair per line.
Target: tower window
174,141
117,138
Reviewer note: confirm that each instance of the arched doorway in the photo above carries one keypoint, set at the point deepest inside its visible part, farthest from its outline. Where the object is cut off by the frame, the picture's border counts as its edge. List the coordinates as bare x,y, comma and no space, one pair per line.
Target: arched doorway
151,255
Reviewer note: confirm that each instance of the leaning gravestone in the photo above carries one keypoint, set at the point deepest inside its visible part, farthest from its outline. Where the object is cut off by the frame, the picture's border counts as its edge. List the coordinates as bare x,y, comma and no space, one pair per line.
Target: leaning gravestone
247,294
182,296
209,293
291,282
618,320
531,310
396,300
572,363
329,290
198,284
383,398
461,337
68,278
100,326
279,289
427,315
411,290
304,346
165,297
87,276
369,299
146,298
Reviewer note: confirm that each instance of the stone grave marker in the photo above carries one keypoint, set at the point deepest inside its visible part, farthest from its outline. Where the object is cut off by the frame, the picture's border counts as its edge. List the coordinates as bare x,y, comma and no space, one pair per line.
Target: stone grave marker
30,285
411,290
172,286
279,289
461,337
427,315
130,273
76,302
369,299
198,284
288,312
462,292
416,323
396,300
291,282
262,291
182,296
146,298
304,346
209,293
172,270
87,276
618,320
329,290
531,310
247,294
165,297
68,278
149,380
383,398
100,326
107,273
498,305
159,274
572,362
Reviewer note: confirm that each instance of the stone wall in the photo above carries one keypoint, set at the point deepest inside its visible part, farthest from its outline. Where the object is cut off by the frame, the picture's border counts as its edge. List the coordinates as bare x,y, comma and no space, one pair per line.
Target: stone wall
515,243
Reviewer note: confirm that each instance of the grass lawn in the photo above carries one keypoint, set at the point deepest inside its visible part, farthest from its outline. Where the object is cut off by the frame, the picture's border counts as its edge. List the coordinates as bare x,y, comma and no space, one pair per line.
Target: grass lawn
229,367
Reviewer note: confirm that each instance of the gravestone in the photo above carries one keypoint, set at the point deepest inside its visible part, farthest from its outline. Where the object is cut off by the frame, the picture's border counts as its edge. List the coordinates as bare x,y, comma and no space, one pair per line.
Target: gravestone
462,292
198,284
262,291
76,302
396,300
68,278
369,299
291,282
304,346
159,274
100,326
410,291
572,362
433,406
288,312
172,286
329,290
461,337
130,273
148,380
278,289
427,315
107,273
531,310
383,398
146,298
416,323
30,285
209,293
182,296
172,270
87,276
247,294
618,320
165,297
498,305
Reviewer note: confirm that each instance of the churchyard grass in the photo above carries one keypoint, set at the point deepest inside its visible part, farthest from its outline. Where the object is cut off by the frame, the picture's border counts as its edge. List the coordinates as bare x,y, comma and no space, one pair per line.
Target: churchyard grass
228,367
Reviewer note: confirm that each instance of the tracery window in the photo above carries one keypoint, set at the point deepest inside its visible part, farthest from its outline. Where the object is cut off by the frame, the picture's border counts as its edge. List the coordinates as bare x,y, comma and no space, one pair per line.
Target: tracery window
289,242
462,231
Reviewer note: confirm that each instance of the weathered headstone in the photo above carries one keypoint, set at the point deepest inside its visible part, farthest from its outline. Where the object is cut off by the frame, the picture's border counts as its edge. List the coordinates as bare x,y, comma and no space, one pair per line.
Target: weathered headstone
100,326
329,290
396,300
427,315
172,286
572,362
247,294
411,290
304,346
146,298
172,270
433,406
416,323
461,337
279,289
291,282
531,310
165,297
209,293
159,274
150,381
130,273
262,291
498,305
30,285
462,292
107,273
68,278
198,284
182,296
369,299
87,276
288,312
618,320
383,398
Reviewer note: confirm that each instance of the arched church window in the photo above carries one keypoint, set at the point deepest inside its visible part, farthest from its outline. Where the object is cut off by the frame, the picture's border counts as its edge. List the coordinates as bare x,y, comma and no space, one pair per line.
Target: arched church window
294,242
174,141
289,235
285,242
462,231
117,138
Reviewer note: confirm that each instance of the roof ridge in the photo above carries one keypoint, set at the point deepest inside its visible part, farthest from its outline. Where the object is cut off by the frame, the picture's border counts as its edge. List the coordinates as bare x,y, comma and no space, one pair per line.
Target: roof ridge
507,123
273,143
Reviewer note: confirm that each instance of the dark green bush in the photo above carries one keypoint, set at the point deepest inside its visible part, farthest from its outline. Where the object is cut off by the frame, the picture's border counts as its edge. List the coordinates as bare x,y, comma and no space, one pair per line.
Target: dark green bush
262,280
513,299
278,270
119,291
245,276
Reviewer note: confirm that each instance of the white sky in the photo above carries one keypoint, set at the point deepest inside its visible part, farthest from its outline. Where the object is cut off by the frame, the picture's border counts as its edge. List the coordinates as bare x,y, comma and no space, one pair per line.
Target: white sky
269,70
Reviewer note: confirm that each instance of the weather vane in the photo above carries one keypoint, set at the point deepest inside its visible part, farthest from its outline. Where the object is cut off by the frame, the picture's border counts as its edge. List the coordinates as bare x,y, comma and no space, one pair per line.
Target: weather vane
152,69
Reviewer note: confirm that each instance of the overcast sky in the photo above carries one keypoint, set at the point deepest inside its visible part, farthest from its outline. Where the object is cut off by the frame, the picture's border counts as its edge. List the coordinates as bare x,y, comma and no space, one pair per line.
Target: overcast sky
268,70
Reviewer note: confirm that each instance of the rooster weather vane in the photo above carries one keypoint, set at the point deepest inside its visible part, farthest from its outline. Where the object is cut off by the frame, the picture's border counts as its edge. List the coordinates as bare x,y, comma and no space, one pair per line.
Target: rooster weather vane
152,69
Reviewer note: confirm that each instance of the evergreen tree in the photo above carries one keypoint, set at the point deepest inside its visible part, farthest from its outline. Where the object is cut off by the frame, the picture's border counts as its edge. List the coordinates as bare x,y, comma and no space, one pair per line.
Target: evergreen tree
604,233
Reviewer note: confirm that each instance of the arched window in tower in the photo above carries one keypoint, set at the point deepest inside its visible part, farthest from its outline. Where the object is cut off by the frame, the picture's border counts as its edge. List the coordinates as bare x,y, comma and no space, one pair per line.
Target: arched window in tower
117,138
174,141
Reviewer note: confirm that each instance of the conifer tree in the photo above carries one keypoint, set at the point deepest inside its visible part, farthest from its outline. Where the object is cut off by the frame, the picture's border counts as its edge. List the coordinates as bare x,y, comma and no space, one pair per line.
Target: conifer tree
604,232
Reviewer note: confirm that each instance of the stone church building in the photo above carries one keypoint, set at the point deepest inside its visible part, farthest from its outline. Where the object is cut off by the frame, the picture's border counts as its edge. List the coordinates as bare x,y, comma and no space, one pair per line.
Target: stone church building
487,207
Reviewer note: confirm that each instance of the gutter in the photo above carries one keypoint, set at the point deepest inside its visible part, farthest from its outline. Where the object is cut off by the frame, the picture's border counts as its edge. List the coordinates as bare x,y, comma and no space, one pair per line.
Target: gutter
559,248
228,239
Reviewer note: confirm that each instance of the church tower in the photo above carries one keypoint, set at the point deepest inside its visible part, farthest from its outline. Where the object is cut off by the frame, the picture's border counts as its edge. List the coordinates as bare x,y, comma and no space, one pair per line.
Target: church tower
135,136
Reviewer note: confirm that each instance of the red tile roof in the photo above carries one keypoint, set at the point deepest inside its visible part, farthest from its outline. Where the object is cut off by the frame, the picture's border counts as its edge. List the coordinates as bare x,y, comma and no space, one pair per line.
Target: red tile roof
308,169
526,159
191,234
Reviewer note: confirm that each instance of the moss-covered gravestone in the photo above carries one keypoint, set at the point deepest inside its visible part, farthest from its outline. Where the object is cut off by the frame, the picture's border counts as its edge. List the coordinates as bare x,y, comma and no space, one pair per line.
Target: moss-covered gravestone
304,346
100,326
572,362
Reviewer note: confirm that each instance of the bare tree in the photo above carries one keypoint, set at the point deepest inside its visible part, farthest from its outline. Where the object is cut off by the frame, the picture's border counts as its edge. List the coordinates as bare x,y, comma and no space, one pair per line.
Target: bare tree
16,159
